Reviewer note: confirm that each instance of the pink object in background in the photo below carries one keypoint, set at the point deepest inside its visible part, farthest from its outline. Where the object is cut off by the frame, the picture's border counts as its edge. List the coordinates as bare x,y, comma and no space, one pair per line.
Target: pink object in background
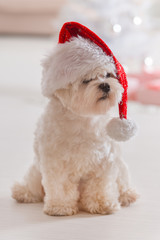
133,85
154,85
144,87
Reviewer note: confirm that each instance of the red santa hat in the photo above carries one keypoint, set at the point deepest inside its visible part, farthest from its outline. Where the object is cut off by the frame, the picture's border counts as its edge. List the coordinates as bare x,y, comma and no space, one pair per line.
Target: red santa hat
120,129
74,29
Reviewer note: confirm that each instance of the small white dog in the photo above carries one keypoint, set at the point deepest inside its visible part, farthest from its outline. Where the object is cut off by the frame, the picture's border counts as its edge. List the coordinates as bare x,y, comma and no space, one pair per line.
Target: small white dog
77,163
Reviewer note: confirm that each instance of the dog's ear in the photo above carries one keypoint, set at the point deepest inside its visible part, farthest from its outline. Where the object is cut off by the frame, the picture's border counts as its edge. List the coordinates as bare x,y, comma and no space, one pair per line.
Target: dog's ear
61,68
52,74
46,65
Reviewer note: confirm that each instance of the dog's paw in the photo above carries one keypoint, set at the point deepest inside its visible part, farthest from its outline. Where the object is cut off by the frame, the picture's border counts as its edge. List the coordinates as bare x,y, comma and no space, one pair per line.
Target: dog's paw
22,194
128,197
99,207
60,210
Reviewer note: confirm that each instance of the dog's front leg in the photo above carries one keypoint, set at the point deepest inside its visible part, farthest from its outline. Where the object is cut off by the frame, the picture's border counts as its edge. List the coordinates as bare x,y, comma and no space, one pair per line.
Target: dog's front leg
127,194
61,195
100,194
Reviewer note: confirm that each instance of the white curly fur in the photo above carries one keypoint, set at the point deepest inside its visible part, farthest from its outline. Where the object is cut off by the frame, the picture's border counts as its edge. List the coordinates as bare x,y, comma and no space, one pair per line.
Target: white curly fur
77,166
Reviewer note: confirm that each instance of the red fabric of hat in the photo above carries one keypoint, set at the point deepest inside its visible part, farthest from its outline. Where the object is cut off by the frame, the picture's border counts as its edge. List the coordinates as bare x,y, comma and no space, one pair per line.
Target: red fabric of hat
73,29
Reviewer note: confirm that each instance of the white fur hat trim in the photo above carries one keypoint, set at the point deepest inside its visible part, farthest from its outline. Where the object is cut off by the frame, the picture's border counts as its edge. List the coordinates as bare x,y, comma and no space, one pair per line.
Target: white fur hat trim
121,129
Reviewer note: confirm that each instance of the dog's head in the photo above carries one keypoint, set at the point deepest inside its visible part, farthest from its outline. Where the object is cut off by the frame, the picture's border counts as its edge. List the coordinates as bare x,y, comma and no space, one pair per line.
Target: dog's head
85,76
94,94
82,77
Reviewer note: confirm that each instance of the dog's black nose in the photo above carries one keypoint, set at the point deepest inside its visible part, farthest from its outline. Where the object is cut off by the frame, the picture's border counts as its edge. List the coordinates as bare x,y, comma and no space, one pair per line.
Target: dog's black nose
104,87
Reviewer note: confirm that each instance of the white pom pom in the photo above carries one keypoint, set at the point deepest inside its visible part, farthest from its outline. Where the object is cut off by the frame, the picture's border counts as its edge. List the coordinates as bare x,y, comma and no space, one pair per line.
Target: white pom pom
121,129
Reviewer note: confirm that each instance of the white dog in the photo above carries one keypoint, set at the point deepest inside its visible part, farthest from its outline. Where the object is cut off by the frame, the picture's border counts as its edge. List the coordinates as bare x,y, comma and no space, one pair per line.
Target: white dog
77,164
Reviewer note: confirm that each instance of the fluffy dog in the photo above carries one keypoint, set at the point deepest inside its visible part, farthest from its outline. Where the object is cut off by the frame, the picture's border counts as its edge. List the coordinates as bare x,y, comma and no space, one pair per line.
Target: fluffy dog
77,165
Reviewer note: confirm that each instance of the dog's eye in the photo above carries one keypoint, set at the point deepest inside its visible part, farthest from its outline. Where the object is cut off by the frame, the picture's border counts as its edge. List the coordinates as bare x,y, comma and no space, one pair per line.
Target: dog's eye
87,81
108,75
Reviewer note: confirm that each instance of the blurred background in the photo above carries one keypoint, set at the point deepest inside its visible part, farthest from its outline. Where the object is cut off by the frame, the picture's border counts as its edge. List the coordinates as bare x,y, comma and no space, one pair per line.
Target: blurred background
28,30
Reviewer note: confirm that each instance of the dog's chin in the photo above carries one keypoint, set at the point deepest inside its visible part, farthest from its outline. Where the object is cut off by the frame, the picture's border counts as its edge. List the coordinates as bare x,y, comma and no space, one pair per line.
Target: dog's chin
104,104
104,97
98,106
